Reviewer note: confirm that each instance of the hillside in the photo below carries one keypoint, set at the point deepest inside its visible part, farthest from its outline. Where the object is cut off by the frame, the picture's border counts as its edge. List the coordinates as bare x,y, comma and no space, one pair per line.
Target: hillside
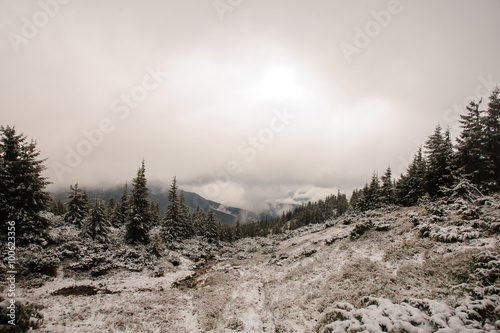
426,268
226,214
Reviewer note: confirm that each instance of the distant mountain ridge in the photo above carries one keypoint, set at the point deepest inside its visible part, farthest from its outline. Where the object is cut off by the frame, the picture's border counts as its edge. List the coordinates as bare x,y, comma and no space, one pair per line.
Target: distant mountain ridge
226,214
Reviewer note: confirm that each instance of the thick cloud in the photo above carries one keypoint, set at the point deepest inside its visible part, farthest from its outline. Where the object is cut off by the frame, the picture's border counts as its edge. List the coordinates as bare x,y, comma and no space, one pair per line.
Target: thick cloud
258,101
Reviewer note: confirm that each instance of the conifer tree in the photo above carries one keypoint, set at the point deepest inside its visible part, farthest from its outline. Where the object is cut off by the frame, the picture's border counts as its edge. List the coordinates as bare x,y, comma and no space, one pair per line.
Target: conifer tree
57,207
119,217
238,233
342,203
373,192
177,221
471,160
155,213
226,233
387,189
411,186
86,199
110,209
138,220
22,187
198,220
440,161
186,217
96,226
172,225
211,226
77,206
492,138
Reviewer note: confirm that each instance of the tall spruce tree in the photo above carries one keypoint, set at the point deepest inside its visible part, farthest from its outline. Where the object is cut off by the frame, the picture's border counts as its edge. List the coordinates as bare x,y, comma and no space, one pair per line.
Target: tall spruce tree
186,217
342,203
111,207
238,233
154,208
373,192
22,188
411,186
58,207
211,226
470,158
138,220
77,206
440,161
96,226
198,221
175,222
387,189
492,138
119,217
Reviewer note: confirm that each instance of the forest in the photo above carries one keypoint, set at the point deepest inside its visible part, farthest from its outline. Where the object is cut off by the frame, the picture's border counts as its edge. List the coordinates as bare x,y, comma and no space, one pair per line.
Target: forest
472,164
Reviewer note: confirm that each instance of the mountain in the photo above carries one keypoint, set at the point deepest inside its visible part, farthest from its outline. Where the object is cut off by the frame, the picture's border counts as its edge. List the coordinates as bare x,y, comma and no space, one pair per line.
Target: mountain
157,193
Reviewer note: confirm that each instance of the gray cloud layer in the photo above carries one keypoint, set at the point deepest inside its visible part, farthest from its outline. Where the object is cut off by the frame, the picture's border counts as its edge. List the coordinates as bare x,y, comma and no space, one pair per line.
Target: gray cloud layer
198,96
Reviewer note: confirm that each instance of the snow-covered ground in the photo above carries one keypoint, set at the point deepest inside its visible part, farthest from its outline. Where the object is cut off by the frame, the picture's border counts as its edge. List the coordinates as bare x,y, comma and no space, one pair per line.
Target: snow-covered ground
379,271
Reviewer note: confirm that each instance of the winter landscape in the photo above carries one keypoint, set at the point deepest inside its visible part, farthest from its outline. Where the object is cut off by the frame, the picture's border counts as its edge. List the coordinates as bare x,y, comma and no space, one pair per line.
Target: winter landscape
235,166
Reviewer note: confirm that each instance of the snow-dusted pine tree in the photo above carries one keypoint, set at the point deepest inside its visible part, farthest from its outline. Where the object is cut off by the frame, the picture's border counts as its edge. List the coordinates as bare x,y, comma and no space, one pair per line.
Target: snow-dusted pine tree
119,217
492,136
198,220
342,203
96,226
154,208
372,195
387,189
238,233
186,217
411,186
471,161
211,226
77,206
138,220
22,188
176,225
440,162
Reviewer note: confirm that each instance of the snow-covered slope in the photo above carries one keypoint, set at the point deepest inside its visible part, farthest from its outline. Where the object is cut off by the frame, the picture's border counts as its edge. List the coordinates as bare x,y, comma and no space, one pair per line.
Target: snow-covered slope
421,269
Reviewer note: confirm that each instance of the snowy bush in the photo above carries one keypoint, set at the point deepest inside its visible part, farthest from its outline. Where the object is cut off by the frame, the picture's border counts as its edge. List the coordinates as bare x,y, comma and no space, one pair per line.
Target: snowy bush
360,229
36,259
411,315
98,258
86,255
309,252
156,243
487,267
334,238
447,234
133,259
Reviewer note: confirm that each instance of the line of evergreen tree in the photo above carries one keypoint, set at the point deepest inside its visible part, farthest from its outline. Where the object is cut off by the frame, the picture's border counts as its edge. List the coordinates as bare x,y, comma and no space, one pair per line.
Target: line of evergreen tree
310,213
435,168
474,159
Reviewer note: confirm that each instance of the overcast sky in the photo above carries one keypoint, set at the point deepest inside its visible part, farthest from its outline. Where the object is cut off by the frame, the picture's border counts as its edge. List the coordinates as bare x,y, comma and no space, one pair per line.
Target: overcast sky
244,101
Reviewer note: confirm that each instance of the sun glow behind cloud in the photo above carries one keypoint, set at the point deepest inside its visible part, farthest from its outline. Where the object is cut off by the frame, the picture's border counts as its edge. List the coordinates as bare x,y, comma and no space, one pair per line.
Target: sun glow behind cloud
276,83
